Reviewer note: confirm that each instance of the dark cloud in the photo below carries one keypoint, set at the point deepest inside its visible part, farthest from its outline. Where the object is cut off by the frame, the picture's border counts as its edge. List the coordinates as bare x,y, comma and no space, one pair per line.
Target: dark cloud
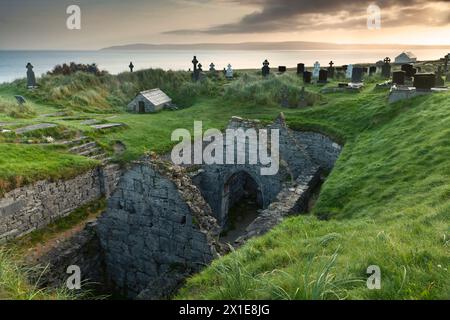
306,15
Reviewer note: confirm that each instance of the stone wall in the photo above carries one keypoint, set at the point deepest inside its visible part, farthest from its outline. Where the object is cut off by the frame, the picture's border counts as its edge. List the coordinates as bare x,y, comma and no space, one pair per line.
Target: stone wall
322,150
34,206
157,230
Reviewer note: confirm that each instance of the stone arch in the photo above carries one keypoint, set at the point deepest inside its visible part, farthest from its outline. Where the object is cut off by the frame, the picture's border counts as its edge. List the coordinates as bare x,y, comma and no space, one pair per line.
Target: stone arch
236,184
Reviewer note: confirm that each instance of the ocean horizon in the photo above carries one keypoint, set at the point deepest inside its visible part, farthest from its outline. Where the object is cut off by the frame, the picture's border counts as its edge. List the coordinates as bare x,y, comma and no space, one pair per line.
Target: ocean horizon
13,62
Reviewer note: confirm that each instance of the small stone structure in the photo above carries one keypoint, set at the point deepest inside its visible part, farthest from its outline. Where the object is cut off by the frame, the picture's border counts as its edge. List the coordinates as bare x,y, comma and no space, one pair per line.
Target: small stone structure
149,101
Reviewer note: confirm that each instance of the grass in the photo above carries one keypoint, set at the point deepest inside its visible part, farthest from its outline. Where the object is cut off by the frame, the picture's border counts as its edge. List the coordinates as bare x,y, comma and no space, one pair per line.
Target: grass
386,203
23,164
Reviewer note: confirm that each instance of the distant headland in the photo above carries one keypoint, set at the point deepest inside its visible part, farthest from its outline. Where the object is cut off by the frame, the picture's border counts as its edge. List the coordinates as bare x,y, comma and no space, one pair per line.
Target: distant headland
288,45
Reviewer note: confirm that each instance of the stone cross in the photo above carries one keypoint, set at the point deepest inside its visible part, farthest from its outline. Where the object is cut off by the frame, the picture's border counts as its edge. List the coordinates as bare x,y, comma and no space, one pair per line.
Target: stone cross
331,64
31,78
212,67
387,60
195,74
131,66
265,68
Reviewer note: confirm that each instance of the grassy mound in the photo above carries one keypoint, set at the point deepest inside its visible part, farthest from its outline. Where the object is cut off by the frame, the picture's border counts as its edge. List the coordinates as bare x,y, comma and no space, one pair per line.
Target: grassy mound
386,203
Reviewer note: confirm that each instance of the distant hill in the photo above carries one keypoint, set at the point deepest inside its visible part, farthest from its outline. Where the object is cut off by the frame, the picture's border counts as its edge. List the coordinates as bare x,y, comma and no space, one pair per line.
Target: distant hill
290,45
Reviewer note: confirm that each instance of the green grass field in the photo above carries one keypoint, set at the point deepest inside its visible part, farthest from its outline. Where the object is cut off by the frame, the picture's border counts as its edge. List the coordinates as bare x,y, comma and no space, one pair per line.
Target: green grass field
386,203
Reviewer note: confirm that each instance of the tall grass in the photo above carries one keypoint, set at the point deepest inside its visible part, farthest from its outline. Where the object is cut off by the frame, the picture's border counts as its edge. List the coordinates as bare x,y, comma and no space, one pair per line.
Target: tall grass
15,281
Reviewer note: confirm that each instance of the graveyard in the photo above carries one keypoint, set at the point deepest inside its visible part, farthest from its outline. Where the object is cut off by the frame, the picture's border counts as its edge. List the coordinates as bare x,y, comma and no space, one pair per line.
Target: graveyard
386,199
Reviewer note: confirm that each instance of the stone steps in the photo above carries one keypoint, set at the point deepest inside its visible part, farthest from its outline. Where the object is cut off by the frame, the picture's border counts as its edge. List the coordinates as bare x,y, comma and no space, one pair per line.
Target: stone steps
80,148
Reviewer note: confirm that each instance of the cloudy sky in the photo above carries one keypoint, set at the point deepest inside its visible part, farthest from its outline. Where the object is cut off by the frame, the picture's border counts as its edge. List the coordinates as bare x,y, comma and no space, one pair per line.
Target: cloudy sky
41,24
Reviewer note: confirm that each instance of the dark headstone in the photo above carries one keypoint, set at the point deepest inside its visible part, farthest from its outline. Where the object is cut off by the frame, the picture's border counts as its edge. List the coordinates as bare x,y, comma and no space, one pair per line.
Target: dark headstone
265,68
323,76
20,100
331,70
281,69
285,97
386,68
300,68
424,81
131,66
31,78
372,70
307,77
212,67
357,75
302,99
398,77
409,70
439,78
344,67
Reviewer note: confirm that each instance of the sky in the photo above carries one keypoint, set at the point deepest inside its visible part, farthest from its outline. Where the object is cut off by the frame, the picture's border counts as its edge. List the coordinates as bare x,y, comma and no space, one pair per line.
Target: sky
41,24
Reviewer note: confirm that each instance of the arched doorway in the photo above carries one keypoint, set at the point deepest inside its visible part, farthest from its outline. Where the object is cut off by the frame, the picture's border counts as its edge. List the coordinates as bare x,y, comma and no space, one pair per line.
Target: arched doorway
241,200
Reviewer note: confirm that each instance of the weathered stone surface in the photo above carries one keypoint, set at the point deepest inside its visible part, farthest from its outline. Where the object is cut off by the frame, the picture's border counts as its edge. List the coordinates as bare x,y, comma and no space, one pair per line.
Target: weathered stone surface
31,207
35,127
157,228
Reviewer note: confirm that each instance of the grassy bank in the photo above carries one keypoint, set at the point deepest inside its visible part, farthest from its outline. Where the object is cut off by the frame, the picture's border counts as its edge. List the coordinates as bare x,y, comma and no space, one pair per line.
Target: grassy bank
386,203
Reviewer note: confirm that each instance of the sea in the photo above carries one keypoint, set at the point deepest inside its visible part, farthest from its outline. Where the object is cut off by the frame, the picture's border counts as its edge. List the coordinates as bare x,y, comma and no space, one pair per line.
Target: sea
12,63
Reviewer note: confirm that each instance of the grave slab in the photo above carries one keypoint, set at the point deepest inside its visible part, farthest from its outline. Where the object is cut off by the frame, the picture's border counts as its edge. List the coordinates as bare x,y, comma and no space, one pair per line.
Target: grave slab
35,127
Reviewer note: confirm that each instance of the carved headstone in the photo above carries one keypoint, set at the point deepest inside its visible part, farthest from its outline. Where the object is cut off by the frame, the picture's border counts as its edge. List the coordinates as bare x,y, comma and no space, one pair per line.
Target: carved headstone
398,77
282,69
439,79
307,77
229,72
424,81
31,78
323,76
349,71
302,99
131,66
212,67
300,68
372,70
357,75
316,70
409,69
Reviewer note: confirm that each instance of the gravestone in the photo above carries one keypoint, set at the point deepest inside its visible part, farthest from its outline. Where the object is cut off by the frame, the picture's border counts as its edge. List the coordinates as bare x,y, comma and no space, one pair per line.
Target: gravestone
323,76
331,70
300,68
307,77
265,69
349,71
31,78
20,100
409,70
229,72
316,70
445,60
131,66
398,78
212,68
424,81
302,99
195,73
281,69
357,75
386,68
284,97
372,70
439,79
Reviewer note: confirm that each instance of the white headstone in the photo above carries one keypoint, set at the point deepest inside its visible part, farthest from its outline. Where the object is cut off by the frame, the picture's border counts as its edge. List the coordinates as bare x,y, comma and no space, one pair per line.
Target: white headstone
229,73
316,70
349,72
